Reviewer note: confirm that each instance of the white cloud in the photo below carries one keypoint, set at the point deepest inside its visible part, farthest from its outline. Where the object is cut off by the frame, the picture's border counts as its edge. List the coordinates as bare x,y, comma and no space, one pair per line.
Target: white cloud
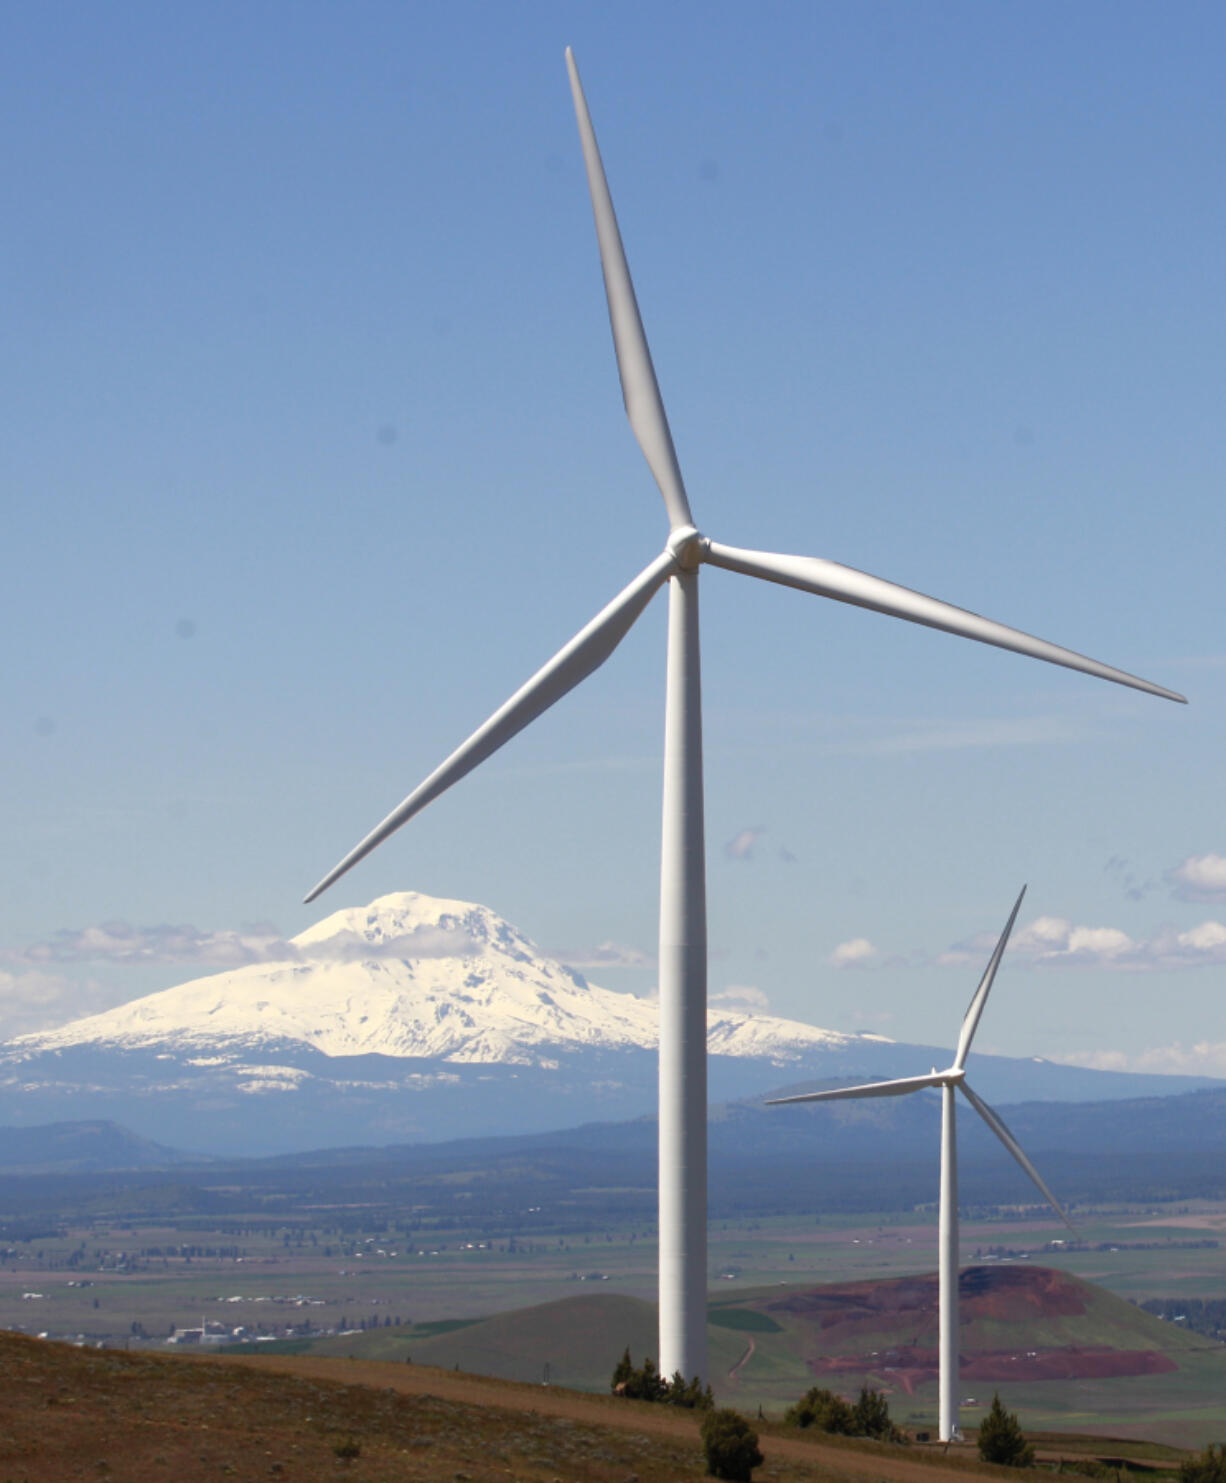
1204,1058
37,999
603,955
1096,944
1056,942
964,735
740,846
857,952
1209,937
741,996
1044,934
120,942
1200,878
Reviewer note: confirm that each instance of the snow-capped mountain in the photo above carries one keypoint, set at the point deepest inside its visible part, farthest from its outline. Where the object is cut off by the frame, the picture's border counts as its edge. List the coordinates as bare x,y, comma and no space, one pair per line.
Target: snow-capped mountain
418,1019
412,976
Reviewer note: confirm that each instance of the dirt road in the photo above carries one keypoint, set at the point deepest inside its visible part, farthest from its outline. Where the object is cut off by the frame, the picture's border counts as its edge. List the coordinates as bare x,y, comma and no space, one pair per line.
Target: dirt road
744,1359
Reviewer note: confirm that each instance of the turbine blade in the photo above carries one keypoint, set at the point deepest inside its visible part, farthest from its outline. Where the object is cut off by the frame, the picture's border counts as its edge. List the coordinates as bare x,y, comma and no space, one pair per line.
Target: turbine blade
870,1089
971,1023
845,584
586,652
644,405
998,1127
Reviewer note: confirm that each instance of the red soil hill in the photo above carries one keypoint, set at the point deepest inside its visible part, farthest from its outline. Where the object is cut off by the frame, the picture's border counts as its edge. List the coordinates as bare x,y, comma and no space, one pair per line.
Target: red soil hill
889,1328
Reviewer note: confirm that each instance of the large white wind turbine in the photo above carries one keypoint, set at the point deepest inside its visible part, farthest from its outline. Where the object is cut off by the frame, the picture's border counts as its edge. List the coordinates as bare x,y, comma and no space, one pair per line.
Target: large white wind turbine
951,1081
683,928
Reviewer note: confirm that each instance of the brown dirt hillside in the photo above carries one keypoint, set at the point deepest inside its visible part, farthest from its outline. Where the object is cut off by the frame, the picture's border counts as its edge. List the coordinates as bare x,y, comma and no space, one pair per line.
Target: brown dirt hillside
68,1414
1017,1323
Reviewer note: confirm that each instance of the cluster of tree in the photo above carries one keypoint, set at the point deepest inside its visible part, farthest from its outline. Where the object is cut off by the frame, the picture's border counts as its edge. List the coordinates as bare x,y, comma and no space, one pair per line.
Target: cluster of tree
1202,1316
1208,1466
219,1253
730,1446
867,1416
375,1322
1203,1244
1002,1440
647,1384
24,1230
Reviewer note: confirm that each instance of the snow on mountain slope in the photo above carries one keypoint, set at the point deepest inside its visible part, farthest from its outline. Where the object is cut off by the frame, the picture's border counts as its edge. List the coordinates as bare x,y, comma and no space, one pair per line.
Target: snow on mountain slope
411,976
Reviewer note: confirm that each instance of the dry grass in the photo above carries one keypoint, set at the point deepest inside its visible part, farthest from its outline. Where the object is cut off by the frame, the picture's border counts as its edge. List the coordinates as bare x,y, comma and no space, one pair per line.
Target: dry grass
71,1413
68,1414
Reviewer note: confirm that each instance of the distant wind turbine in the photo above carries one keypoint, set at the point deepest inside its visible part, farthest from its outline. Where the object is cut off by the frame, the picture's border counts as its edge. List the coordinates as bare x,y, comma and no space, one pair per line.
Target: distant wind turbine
683,927
951,1080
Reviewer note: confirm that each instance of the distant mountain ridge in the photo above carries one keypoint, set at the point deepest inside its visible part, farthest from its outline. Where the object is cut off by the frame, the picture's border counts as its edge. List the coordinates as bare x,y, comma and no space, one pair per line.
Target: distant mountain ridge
82,1147
879,1155
421,1019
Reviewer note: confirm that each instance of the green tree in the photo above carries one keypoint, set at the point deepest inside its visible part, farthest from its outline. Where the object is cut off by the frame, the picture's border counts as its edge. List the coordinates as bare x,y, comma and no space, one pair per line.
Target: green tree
870,1417
643,1384
1208,1466
821,1409
692,1396
647,1384
730,1445
1002,1440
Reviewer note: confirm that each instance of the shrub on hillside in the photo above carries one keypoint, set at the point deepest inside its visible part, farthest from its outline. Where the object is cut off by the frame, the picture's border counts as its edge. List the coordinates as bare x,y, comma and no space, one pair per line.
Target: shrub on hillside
647,1384
1208,1466
1002,1440
827,1412
730,1445
870,1417
642,1384
622,1372
693,1396
821,1409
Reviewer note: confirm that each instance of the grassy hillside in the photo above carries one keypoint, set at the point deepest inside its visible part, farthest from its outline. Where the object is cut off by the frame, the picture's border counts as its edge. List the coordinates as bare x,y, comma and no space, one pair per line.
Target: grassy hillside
68,1413
580,1339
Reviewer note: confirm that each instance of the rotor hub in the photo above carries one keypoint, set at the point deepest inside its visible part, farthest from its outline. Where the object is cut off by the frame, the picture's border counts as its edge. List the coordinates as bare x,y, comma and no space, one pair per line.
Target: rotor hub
686,545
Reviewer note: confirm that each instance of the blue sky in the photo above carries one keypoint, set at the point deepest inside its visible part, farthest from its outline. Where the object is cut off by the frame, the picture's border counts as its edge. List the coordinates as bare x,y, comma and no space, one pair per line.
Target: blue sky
314,450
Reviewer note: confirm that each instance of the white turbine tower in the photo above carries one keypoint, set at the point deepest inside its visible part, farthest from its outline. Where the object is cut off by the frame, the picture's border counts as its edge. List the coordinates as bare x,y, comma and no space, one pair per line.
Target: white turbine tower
683,927
950,1081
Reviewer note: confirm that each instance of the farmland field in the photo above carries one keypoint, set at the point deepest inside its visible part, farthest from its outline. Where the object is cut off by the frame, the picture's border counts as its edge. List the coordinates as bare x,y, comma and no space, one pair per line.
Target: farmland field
391,1288
300,1270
